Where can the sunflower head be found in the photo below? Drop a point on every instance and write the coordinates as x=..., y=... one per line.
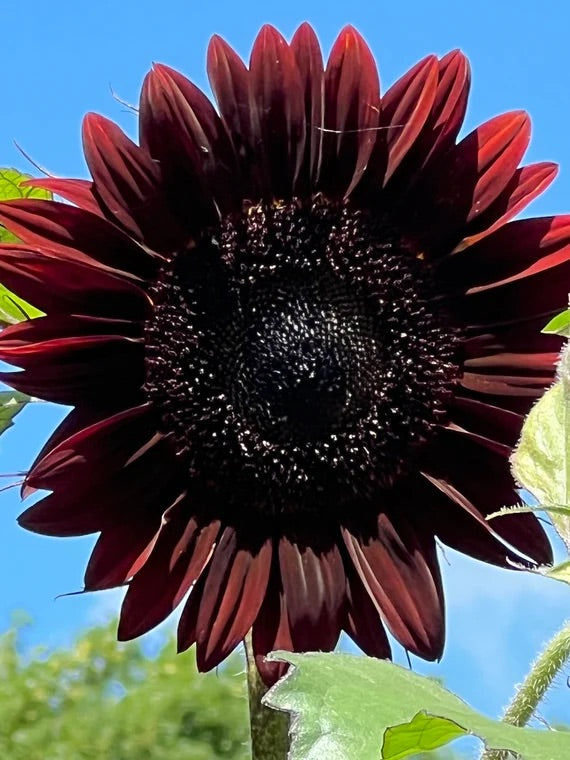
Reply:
x=300, y=332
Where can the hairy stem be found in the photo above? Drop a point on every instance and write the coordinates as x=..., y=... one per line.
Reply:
x=269, y=728
x=543, y=671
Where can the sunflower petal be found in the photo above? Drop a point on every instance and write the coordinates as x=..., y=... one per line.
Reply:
x=308, y=56
x=181, y=130
x=127, y=185
x=455, y=463
x=278, y=91
x=75, y=234
x=398, y=567
x=233, y=590
x=231, y=85
x=405, y=108
x=182, y=550
x=59, y=286
x=314, y=592
x=363, y=622
x=97, y=451
x=77, y=191
x=351, y=112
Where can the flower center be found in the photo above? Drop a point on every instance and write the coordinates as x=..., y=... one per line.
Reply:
x=306, y=347
x=296, y=357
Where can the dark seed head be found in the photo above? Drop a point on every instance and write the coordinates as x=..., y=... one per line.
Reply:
x=297, y=358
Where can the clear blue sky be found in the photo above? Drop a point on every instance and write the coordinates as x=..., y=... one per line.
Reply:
x=59, y=60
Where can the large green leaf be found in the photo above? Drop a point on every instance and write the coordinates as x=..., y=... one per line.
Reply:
x=358, y=708
x=12, y=308
x=11, y=404
x=541, y=459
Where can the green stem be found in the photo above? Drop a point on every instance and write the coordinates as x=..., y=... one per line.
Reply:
x=269, y=728
x=536, y=684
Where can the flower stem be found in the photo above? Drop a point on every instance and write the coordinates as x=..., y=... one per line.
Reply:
x=269, y=728
x=543, y=671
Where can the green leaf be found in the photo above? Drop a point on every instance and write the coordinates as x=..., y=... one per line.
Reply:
x=422, y=734
x=12, y=308
x=343, y=706
x=540, y=461
x=559, y=325
x=11, y=404
x=560, y=572
x=11, y=187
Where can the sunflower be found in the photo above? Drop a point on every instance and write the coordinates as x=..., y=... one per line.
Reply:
x=299, y=332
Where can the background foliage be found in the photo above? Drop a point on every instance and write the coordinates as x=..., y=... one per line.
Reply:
x=100, y=700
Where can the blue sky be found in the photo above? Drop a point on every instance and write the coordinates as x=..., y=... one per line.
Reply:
x=60, y=60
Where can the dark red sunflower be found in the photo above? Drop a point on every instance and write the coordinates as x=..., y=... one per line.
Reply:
x=299, y=332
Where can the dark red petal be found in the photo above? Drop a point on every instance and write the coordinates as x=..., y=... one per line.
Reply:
x=526, y=184
x=517, y=335
x=439, y=129
x=230, y=595
x=448, y=110
x=271, y=631
x=76, y=370
x=398, y=565
x=72, y=233
x=140, y=491
x=314, y=592
x=405, y=109
x=459, y=524
x=116, y=551
x=501, y=144
x=278, y=92
x=56, y=326
x=363, y=622
x=489, y=443
x=128, y=185
x=506, y=385
x=181, y=130
x=487, y=420
x=456, y=463
x=307, y=52
x=77, y=191
x=98, y=451
x=534, y=292
x=521, y=363
x=76, y=420
x=182, y=550
x=58, y=286
x=230, y=83
x=511, y=249
x=464, y=182
x=352, y=109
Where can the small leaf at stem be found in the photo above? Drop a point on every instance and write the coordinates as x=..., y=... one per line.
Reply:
x=560, y=572
x=423, y=733
x=559, y=325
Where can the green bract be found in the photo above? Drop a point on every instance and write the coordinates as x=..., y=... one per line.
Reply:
x=541, y=459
